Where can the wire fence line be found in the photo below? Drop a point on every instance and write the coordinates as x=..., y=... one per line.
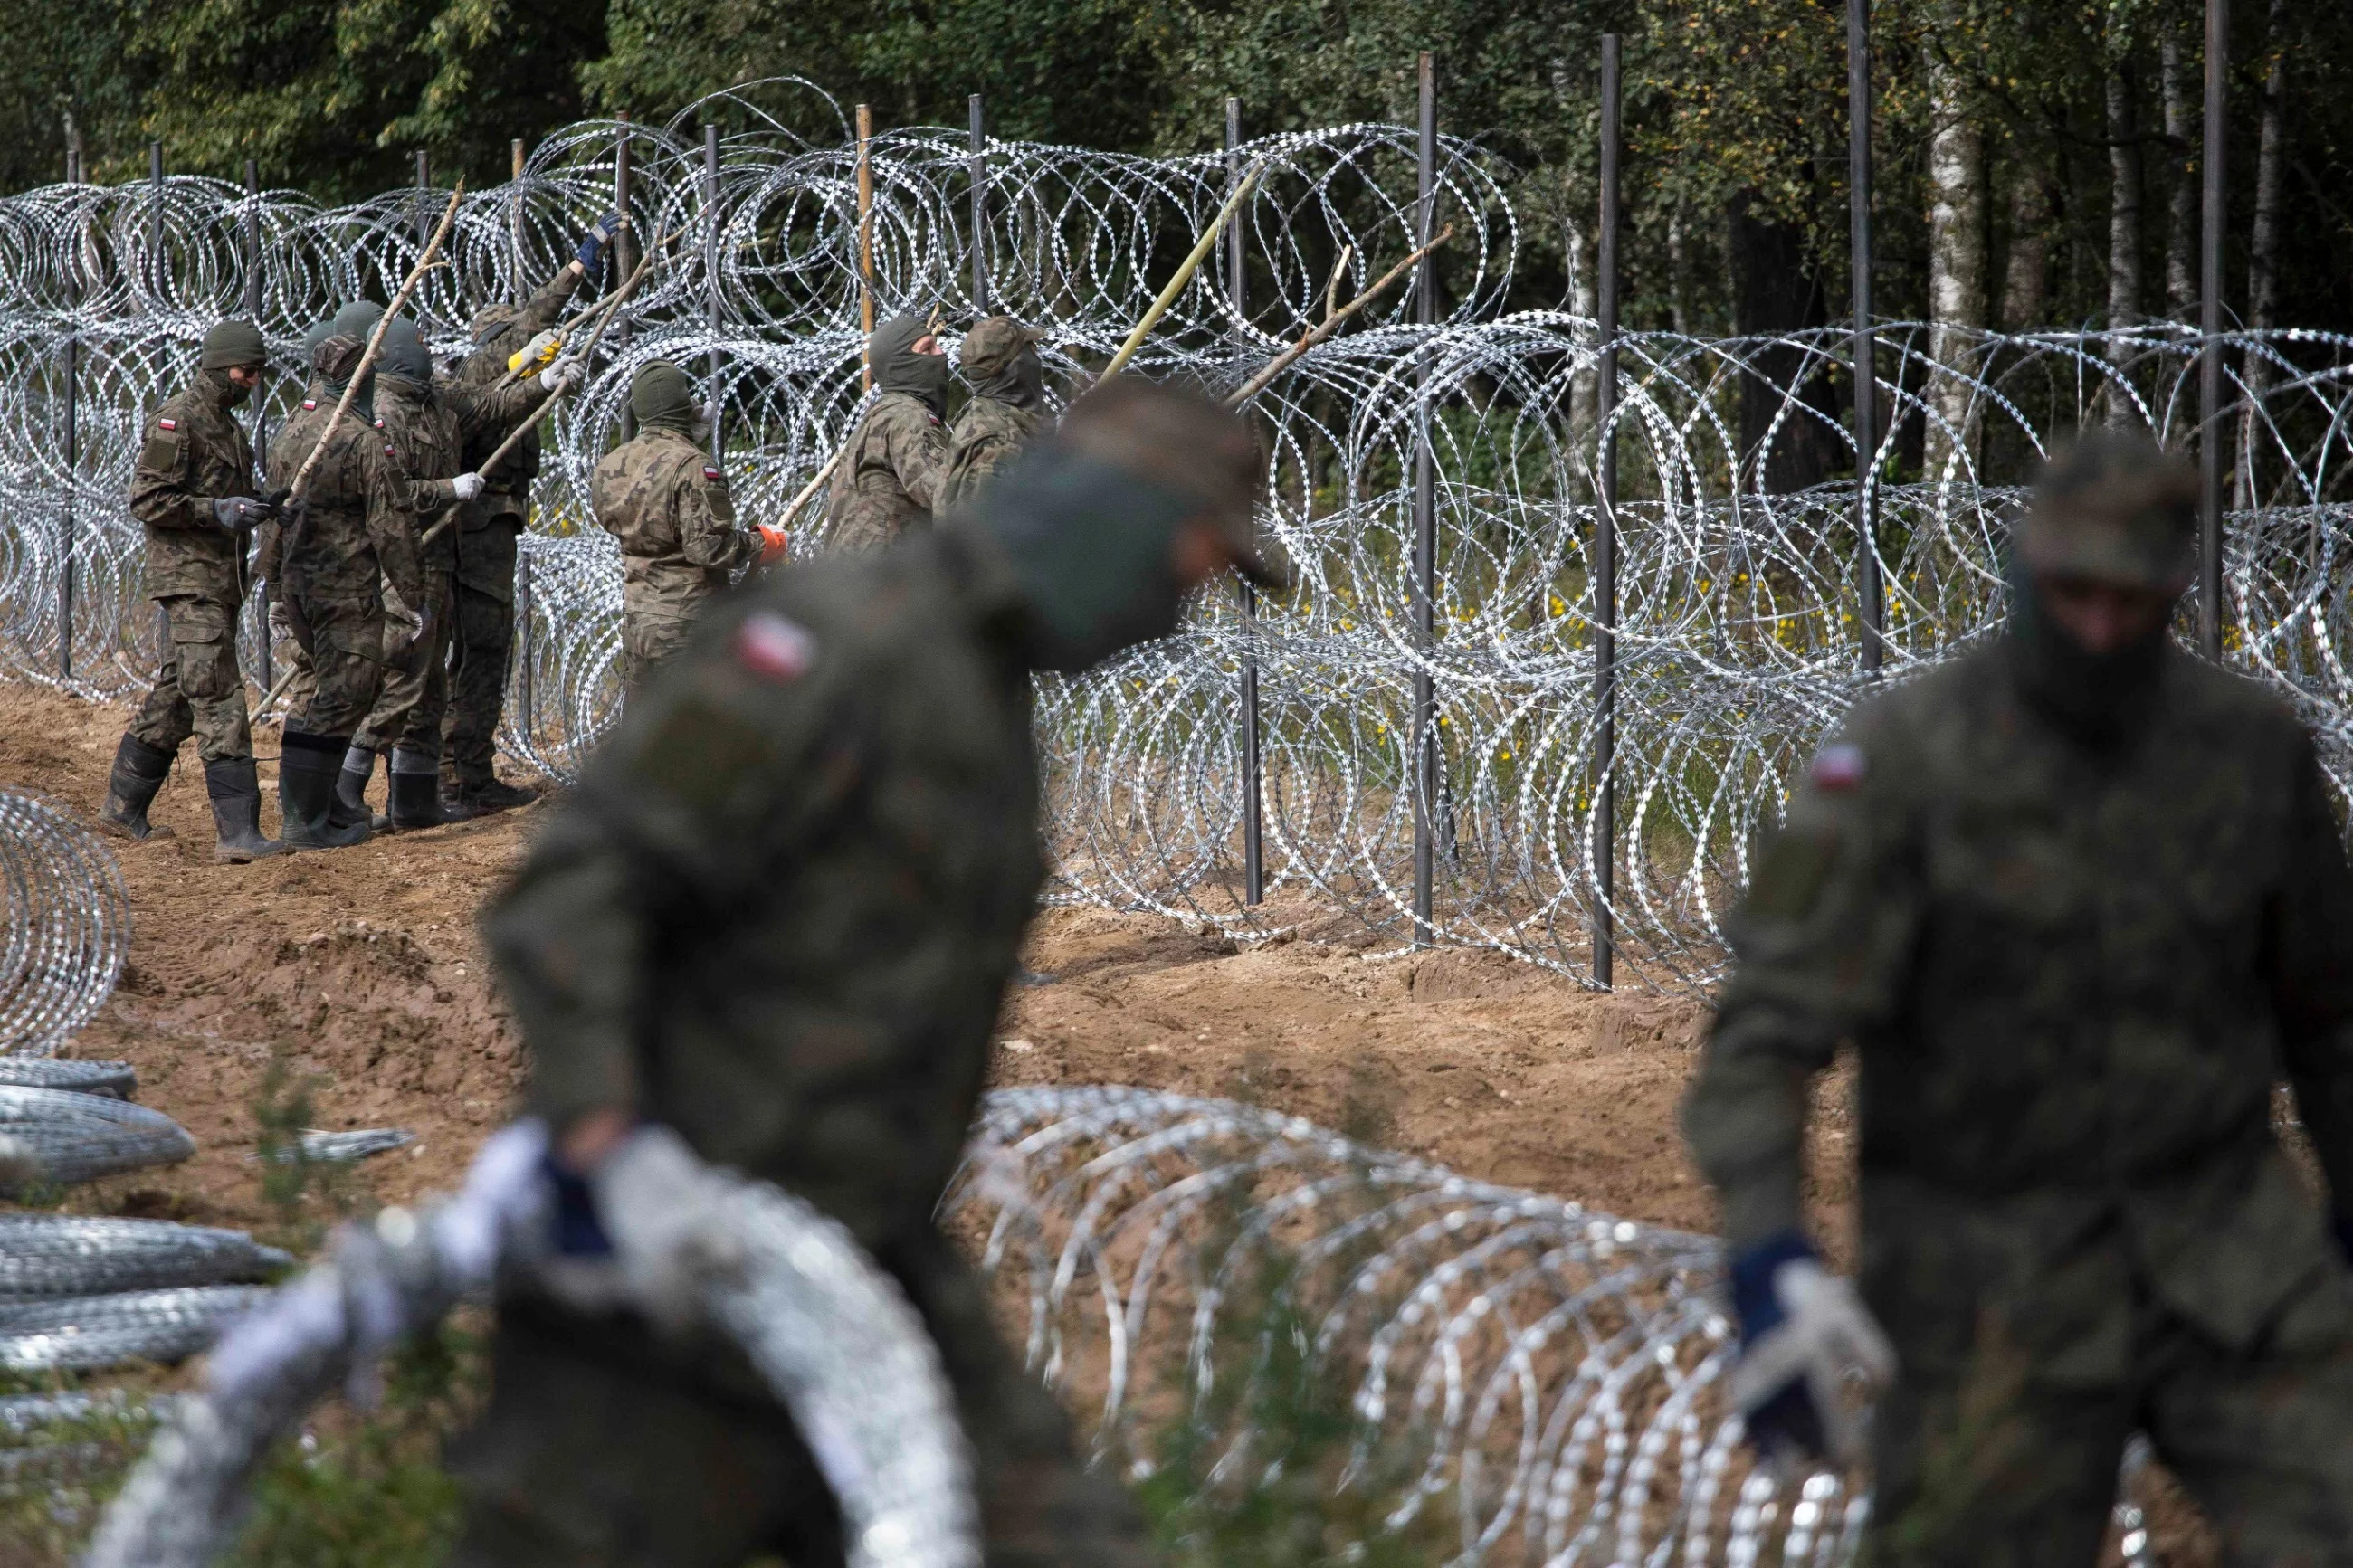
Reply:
x=1737, y=626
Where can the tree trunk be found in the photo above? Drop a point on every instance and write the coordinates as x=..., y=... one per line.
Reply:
x=1775, y=290
x=2181, y=190
x=1679, y=279
x=2263, y=266
x=2124, y=234
x=1957, y=272
x=2026, y=272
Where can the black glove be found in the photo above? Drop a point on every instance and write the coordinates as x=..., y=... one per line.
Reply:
x=600, y=235
x=241, y=514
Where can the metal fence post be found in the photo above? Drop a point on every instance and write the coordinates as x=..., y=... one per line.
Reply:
x=425, y=214
x=1866, y=385
x=710, y=282
x=625, y=252
x=1605, y=542
x=2211, y=441
x=977, y=171
x=261, y=394
x=1422, y=785
x=1253, y=761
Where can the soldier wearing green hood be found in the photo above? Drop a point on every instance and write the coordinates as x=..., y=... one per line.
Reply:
x=300, y=430
x=664, y=498
x=889, y=478
x=489, y=530
x=193, y=490
x=777, y=918
x=428, y=426
x=1008, y=410
x=2078, y=900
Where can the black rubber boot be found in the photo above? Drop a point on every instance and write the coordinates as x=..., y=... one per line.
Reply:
x=140, y=771
x=351, y=785
x=415, y=793
x=465, y=798
x=307, y=770
x=236, y=791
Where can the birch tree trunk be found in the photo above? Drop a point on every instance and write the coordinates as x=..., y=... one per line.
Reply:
x=2026, y=270
x=1957, y=272
x=2124, y=235
x=2181, y=189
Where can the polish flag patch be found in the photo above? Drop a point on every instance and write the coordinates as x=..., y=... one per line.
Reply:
x=310, y=402
x=1839, y=769
x=772, y=647
x=709, y=472
x=169, y=423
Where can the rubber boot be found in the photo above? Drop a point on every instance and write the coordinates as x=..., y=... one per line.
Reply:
x=415, y=793
x=307, y=770
x=462, y=799
x=140, y=771
x=351, y=786
x=236, y=791
x=456, y=805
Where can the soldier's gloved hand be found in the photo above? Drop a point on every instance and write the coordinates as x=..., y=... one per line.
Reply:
x=601, y=235
x=241, y=514
x=664, y=1212
x=1806, y=1338
x=281, y=619
x=403, y=626
x=772, y=544
x=563, y=375
x=467, y=486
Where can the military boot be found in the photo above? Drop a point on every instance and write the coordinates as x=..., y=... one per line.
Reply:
x=140, y=771
x=235, y=790
x=307, y=770
x=351, y=786
x=414, y=797
x=465, y=798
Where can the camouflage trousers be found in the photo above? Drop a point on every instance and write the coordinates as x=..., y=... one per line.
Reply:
x=481, y=651
x=1998, y=1463
x=199, y=691
x=650, y=636
x=602, y=1449
x=415, y=692
x=334, y=684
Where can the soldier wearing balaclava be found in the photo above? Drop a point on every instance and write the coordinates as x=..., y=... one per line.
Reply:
x=889, y=478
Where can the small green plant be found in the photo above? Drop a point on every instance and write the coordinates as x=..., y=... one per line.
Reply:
x=306, y=1195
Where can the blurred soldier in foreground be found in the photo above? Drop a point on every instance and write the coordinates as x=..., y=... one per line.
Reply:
x=426, y=429
x=665, y=500
x=1008, y=410
x=777, y=919
x=192, y=490
x=890, y=474
x=482, y=636
x=2077, y=899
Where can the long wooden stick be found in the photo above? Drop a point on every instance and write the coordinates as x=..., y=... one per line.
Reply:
x=376, y=342
x=594, y=311
x=866, y=236
x=1331, y=323
x=1184, y=273
x=270, y=699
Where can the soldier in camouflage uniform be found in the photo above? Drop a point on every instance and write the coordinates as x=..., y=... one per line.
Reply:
x=665, y=501
x=296, y=680
x=2077, y=899
x=192, y=490
x=482, y=634
x=342, y=553
x=778, y=916
x=888, y=477
x=427, y=428
x=1008, y=410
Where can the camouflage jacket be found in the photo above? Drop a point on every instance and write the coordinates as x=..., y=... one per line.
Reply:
x=667, y=502
x=781, y=909
x=303, y=427
x=890, y=475
x=195, y=453
x=507, y=492
x=2071, y=979
x=427, y=432
x=350, y=536
x=988, y=435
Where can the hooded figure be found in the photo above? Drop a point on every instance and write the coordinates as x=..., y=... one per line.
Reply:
x=888, y=479
x=1008, y=410
x=2078, y=900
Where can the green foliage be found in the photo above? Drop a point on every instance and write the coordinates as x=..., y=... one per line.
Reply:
x=306, y=1195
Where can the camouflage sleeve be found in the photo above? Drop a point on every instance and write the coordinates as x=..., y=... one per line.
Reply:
x=2311, y=948
x=160, y=497
x=391, y=518
x=541, y=311
x=707, y=532
x=918, y=448
x=1821, y=945
x=488, y=415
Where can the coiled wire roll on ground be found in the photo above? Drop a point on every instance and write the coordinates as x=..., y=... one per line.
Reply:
x=81, y=1137
x=49, y=1256
x=80, y=1333
x=67, y=928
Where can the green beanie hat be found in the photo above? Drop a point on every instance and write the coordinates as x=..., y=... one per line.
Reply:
x=233, y=342
x=659, y=393
x=404, y=354
x=357, y=320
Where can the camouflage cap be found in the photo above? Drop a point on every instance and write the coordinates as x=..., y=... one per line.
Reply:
x=231, y=343
x=994, y=342
x=491, y=320
x=1187, y=444
x=2116, y=509
x=336, y=356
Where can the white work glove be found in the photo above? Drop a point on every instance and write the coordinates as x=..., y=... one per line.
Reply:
x=467, y=486
x=563, y=375
x=1826, y=1345
x=663, y=1209
x=281, y=619
x=541, y=348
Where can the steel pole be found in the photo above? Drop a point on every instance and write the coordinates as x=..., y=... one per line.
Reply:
x=261, y=394
x=625, y=249
x=1253, y=763
x=424, y=213
x=1423, y=783
x=1605, y=544
x=710, y=282
x=2211, y=441
x=976, y=173
x=1866, y=385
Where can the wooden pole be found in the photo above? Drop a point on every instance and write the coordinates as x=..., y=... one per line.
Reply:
x=866, y=239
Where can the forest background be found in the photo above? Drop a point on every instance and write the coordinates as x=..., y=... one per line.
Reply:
x=2038, y=163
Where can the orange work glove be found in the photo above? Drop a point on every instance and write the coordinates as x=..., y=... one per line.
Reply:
x=772, y=544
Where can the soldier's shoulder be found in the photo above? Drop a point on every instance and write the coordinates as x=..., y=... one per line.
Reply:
x=901, y=410
x=1922, y=702
x=2229, y=704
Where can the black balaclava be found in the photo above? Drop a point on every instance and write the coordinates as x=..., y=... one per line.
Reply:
x=1093, y=547
x=2101, y=701
x=899, y=368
